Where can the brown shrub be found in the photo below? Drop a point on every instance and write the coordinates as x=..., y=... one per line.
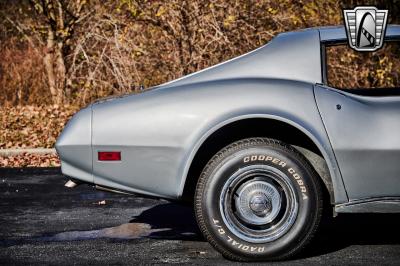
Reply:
x=115, y=46
x=350, y=69
x=22, y=77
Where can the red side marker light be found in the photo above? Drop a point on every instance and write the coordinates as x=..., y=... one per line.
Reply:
x=109, y=156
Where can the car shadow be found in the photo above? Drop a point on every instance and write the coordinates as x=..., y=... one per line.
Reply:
x=170, y=221
x=176, y=221
x=354, y=229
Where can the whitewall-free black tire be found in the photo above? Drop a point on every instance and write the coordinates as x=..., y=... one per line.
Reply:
x=258, y=199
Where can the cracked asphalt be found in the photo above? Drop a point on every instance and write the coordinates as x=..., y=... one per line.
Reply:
x=42, y=222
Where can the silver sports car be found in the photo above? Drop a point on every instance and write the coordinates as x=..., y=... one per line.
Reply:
x=260, y=144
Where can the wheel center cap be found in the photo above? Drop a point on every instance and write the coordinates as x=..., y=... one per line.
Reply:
x=259, y=204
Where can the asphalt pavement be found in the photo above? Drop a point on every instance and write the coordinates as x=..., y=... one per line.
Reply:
x=42, y=222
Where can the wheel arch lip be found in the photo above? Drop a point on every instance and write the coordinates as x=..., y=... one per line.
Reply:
x=340, y=195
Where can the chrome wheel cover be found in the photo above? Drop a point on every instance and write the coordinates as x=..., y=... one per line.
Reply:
x=258, y=203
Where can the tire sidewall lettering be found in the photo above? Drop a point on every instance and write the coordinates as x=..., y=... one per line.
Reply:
x=282, y=161
x=235, y=242
x=282, y=164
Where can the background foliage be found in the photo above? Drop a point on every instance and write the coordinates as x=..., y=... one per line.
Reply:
x=59, y=55
x=73, y=51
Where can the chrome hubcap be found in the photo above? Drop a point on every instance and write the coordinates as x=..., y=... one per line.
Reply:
x=258, y=203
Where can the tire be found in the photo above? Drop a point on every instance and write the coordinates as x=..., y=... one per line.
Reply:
x=258, y=199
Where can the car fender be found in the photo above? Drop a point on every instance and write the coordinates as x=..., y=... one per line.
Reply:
x=336, y=179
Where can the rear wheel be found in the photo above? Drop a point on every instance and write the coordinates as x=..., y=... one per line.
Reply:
x=258, y=199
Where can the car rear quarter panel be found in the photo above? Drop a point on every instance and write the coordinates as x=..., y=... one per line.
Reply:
x=159, y=131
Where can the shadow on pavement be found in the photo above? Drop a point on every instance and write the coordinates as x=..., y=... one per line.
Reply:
x=354, y=229
x=165, y=221
x=336, y=234
x=174, y=221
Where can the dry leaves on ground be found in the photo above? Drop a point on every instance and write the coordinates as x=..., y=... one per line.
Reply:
x=33, y=126
x=30, y=160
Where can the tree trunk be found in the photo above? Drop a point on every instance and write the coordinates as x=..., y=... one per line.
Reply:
x=55, y=68
x=61, y=71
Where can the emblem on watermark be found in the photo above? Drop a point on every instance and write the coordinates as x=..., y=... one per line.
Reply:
x=365, y=27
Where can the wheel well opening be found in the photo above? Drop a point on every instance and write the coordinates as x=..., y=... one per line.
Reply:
x=248, y=128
